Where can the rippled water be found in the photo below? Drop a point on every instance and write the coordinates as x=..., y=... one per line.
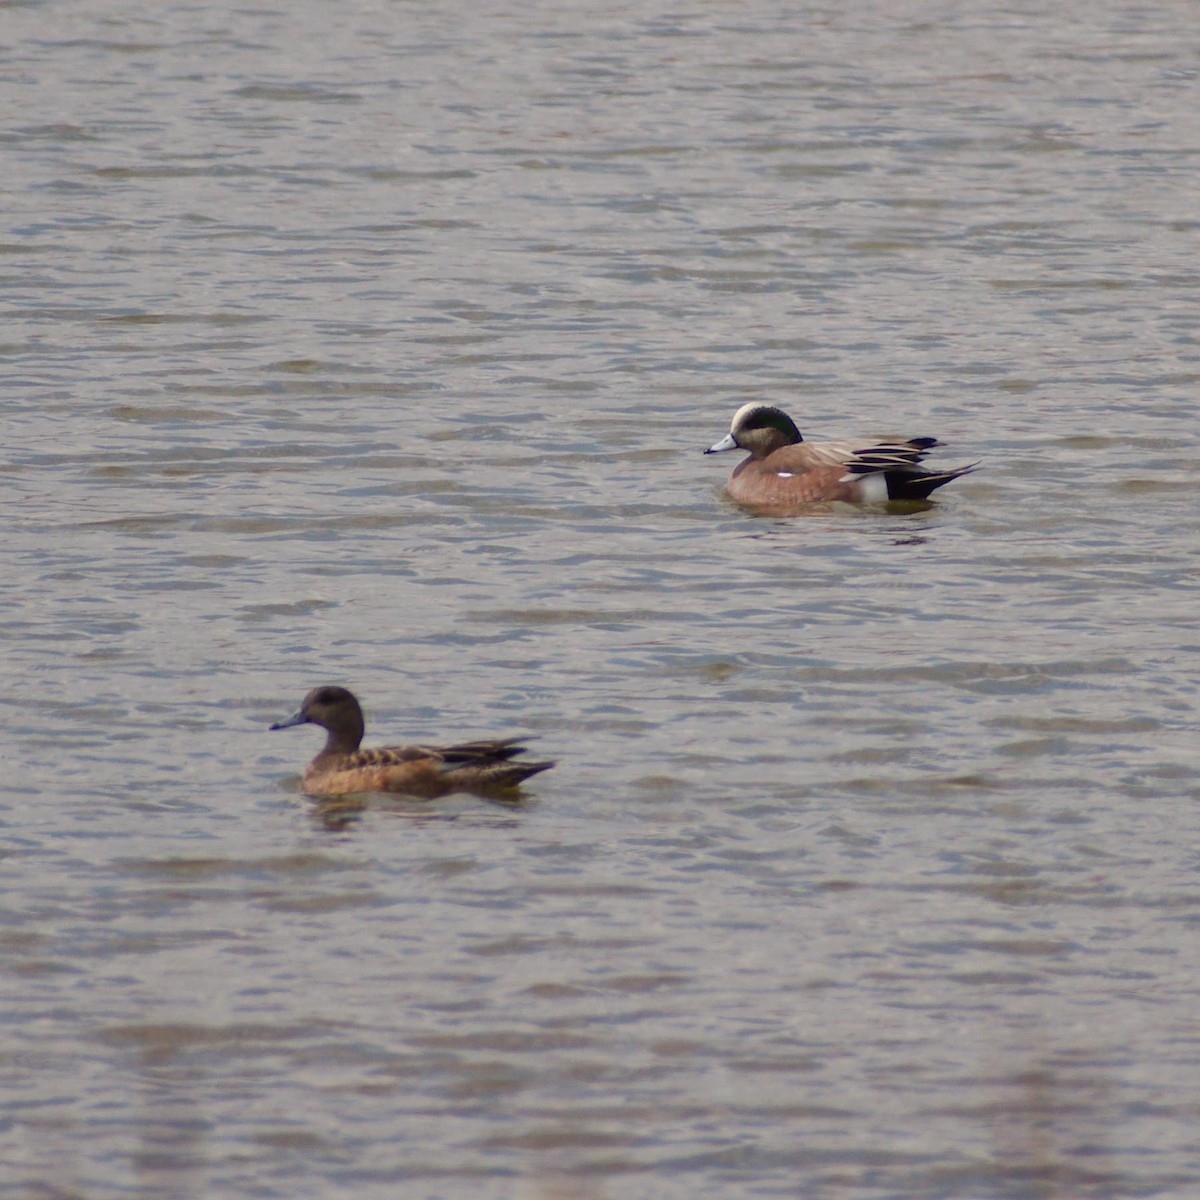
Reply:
x=377, y=344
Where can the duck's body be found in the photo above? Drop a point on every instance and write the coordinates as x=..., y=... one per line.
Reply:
x=784, y=471
x=343, y=767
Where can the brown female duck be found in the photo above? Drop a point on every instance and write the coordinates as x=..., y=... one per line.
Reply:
x=428, y=771
x=784, y=470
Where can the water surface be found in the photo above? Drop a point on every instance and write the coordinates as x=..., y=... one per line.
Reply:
x=378, y=346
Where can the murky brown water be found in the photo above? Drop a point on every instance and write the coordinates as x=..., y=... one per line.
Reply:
x=377, y=345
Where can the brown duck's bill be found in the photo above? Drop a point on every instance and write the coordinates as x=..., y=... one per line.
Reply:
x=726, y=443
x=297, y=718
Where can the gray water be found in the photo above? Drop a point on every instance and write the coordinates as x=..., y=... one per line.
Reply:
x=376, y=344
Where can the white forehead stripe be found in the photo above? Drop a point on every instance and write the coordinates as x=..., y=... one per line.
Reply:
x=740, y=417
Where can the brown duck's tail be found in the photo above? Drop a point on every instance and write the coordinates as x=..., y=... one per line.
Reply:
x=485, y=765
x=493, y=776
x=915, y=483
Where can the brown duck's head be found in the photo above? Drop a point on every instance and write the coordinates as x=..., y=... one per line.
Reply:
x=334, y=709
x=759, y=428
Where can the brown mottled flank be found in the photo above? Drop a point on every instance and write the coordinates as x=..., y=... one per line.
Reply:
x=784, y=471
x=427, y=771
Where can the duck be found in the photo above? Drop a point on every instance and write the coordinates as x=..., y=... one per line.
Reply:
x=343, y=767
x=784, y=470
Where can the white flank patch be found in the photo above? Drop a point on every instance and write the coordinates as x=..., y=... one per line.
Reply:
x=785, y=474
x=874, y=487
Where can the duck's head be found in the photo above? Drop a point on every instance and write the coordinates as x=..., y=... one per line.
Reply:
x=332, y=708
x=759, y=428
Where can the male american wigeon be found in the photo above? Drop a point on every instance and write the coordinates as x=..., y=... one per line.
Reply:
x=427, y=771
x=784, y=470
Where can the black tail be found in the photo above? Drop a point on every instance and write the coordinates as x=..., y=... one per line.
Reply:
x=914, y=483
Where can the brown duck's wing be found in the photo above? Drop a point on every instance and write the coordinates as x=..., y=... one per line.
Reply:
x=389, y=756
x=484, y=750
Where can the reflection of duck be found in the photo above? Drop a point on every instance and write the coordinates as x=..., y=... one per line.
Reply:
x=427, y=771
x=783, y=469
